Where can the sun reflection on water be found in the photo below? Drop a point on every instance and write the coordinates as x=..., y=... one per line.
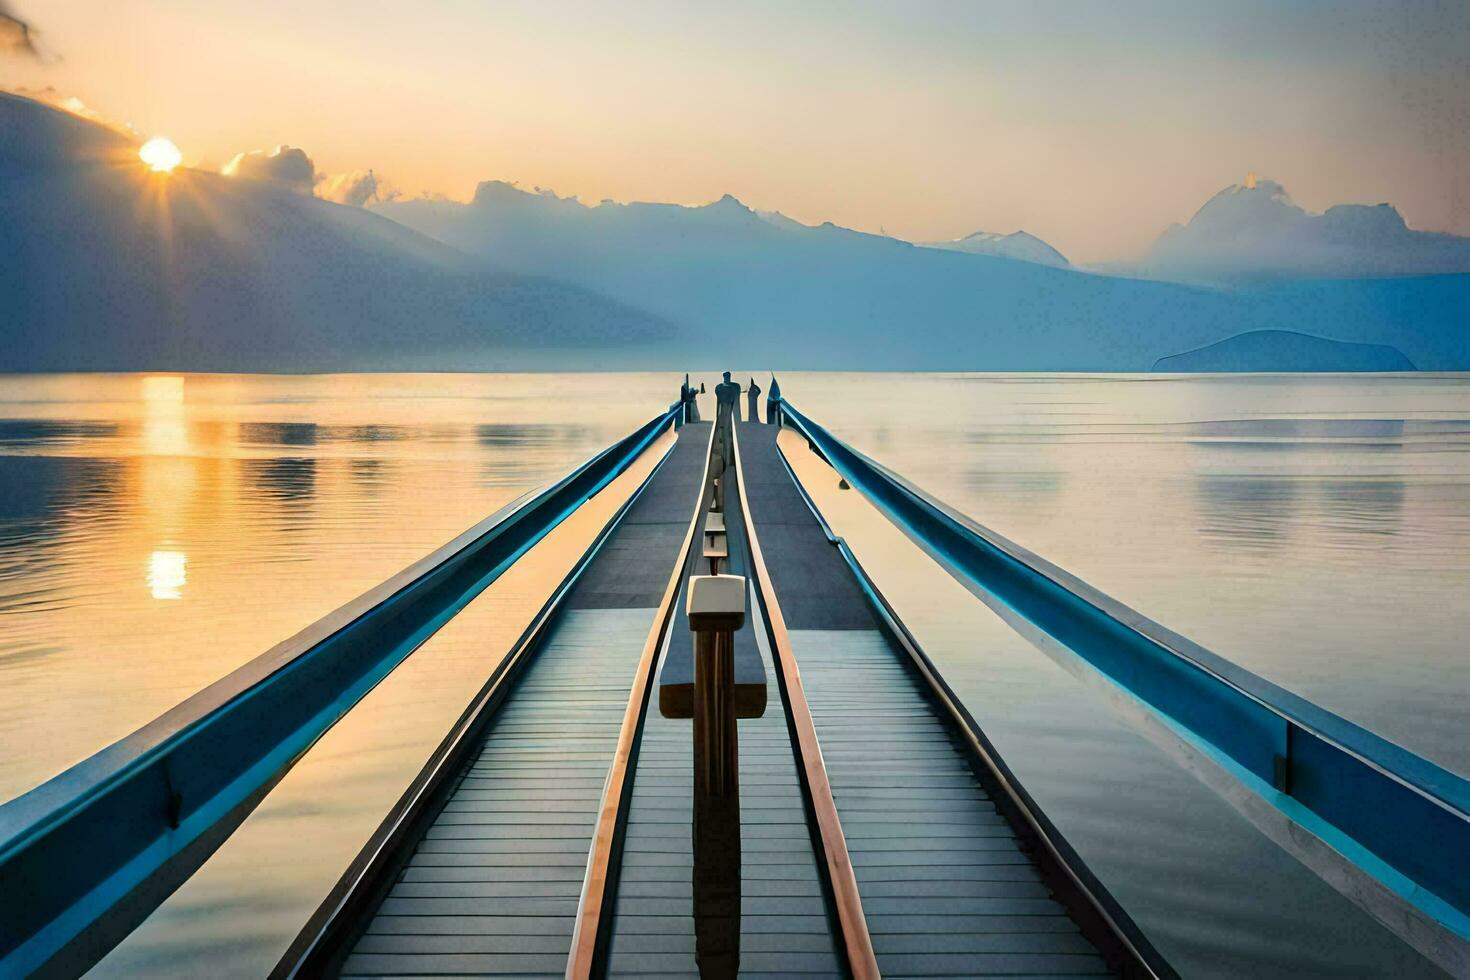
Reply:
x=164, y=432
x=167, y=574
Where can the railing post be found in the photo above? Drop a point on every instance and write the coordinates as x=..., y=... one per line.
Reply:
x=716, y=609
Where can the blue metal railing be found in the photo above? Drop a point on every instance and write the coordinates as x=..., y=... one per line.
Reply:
x=1397, y=816
x=87, y=855
x=1131, y=943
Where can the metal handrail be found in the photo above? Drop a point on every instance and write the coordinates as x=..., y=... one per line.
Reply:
x=323, y=943
x=1399, y=818
x=1103, y=919
x=87, y=855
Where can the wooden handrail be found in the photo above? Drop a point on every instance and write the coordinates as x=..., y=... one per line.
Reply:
x=591, y=928
x=857, y=943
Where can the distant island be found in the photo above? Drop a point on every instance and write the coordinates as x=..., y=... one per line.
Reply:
x=1286, y=352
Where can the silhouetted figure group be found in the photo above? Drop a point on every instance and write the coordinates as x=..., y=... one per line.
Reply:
x=727, y=400
x=688, y=397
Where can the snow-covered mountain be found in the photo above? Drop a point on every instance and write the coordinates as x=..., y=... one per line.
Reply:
x=1020, y=245
x=1254, y=230
x=108, y=266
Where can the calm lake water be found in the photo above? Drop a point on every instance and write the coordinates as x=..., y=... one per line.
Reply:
x=156, y=532
x=1313, y=529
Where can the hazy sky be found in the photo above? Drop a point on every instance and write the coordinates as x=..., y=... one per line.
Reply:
x=1093, y=125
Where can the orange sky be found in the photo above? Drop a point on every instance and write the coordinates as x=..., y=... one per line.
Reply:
x=1093, y=126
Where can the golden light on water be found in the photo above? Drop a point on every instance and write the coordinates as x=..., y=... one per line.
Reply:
x=167, y=574
x=160, y=154
x=165, y=432
x=163, y=389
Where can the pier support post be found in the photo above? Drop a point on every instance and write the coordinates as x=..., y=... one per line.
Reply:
x=717, y=481
x=716, y=609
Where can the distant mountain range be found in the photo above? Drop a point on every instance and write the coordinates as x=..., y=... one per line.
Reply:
x=1019, y=245
x=1254, y=231
x=746, y=286
x=109, y=267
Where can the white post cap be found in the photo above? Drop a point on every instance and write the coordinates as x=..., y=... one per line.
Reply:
x=716, y=597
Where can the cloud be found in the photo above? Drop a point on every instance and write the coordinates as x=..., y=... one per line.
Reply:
x=356, y=188
x=53, y=97
x=17, y=37
x=287, y=165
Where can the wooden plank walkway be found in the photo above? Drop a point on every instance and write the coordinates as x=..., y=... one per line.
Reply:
x=492, y=887
x=946, y=889
x=784, y=925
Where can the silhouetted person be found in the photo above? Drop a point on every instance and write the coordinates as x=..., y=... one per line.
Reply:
x=773, y=402
x=727, y=399
x=751, y=394
x=727, y=410
x=687, y=397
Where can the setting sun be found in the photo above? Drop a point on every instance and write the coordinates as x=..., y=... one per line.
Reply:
x=160, y=154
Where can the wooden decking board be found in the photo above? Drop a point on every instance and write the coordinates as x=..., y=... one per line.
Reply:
x=785, y=962
x=524, y=851
x=493, y=884
x=473, y=873
x=996, y=964
x=400, y=945
x=571, y=844
x=950, y=890
x=508, y=829
x=452, y=964
x=515, y=907
x=935, y=922
x=484, y=799
x=664, y=756
x=632, y=569
x=944, y=882
x=469, y=925
x=797, y=552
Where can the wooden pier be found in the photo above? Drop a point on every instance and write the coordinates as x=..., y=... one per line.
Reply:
x=716, y=751
x=916, y=872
